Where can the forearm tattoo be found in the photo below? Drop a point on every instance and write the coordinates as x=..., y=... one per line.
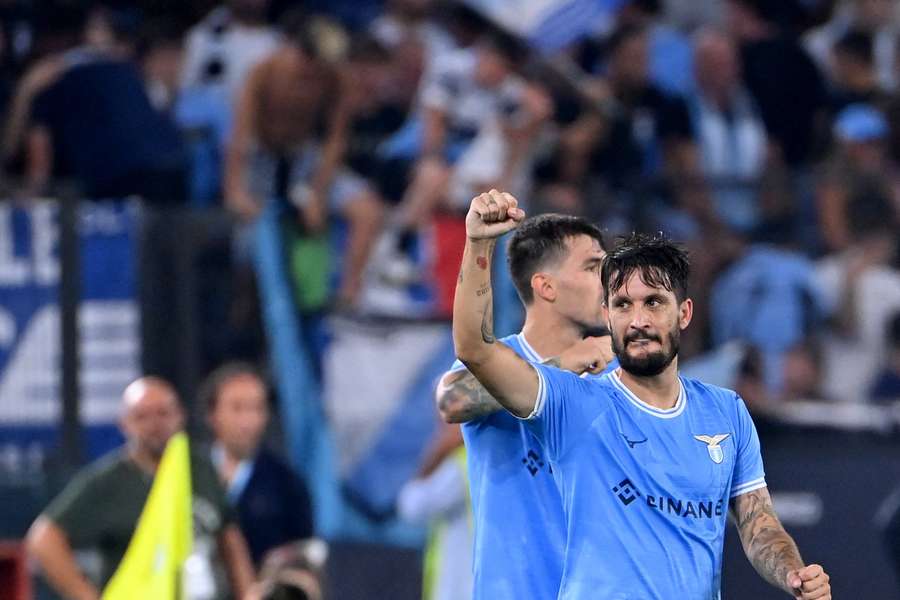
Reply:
x=487, y=323
x=768, y=546
x=466, y=399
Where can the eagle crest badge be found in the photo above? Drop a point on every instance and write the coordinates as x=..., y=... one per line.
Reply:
x=716, y=453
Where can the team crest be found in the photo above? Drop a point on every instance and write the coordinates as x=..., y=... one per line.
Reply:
x=716, y=454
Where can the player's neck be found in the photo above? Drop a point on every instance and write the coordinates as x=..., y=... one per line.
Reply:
x=660, y=391
x=549, y=335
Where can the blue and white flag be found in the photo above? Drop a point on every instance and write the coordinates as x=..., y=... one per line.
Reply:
x=549, y=25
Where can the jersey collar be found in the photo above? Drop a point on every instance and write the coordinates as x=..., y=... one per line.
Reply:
x=667, y=413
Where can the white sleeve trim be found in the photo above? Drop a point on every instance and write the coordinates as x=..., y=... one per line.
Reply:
x=541, y=397
x=749, y=486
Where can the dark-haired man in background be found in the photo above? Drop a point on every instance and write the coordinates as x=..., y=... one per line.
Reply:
x=554, y=261
x=272, y=503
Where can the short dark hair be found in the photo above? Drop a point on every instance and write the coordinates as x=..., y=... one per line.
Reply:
x=857, y=44
x=541, y=240
x=215, y=381
x=660, y=262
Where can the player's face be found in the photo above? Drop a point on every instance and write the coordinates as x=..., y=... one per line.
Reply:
x=152, y=416
x=646, y=323
x=580, y=296
x=240, y=415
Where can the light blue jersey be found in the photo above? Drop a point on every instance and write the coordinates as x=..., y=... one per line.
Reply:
x=520, y=534
x=645, y=491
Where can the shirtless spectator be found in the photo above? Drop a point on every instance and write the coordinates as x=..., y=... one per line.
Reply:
x=275, y=151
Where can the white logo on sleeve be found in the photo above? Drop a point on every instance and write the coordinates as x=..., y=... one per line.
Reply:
x=716, y=454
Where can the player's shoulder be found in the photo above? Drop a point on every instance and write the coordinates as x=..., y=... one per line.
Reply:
x=707, y=392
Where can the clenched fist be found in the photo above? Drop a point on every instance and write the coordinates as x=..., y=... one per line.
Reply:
x=810, y=583
x=590, y=355
x=493, y=214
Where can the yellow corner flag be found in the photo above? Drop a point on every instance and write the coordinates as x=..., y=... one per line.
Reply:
x=162, y=540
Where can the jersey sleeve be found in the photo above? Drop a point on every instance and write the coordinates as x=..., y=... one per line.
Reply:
x=748, y=465
x=561, y=412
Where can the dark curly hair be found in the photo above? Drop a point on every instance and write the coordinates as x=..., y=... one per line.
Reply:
x=660, y=262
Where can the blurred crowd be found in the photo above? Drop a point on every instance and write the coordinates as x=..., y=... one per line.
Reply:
x=764, y=134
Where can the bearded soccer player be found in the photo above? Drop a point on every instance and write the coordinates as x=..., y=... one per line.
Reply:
x=554, y=261
x=647, y=461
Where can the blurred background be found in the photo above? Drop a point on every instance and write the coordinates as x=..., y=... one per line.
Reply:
x=187, y=183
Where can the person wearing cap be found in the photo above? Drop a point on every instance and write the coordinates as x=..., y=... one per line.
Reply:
x=859, y=166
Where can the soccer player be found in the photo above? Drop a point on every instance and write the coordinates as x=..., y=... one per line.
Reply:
x=647, y=461
x=555, y=262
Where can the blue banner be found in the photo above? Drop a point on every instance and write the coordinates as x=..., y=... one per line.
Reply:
x=108, y=324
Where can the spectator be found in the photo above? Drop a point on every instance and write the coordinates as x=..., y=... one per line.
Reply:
x=117, y=146
x=861, y=291
x=222, y=50
x=854, y=77
x=781, y=78
x=887, y=384
x=271, y=501
x=275, y=152
x=159, y=52
x=640, y=134
x=100, y=507
x=877, y=19
x=730, y=134
x=802, y=374
x=670, y=53
x=859, y=167
x=375, y=115
x=438, y=497
x=410, y=20
x=772, y=314
x=471, y=94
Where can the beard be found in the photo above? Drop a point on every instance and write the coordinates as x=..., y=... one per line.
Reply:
x=652, y=363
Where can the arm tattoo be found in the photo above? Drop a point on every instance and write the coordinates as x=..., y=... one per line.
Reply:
x=465, y=399
x=487, y=323
x=767, y=545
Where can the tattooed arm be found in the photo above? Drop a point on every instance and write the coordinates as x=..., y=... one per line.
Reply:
x=504, y=375
x=460, y=398
x=771, y=551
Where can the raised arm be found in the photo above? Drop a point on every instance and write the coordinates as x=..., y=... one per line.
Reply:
x=461, y=398
x=508, y=378
x=772, y=552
